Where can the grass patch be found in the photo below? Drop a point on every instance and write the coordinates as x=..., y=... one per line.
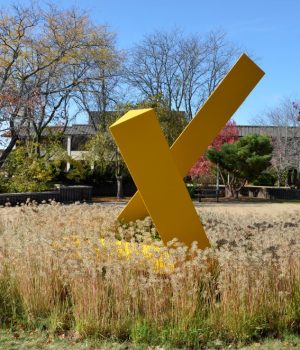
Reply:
x=37, y=340
x=58, y=277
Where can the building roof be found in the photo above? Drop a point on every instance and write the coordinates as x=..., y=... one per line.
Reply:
x=273, y=131
x=80, y=129
x=76, y=129
x=89, y=129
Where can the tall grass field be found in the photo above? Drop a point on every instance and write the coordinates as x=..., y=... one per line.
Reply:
x=76, y=270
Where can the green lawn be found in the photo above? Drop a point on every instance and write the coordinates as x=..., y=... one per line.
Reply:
x=40, y=341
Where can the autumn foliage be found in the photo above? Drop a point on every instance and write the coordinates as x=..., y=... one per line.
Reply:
x=203, y=167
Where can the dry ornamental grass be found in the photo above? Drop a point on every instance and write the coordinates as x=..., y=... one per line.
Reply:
x=61, y=269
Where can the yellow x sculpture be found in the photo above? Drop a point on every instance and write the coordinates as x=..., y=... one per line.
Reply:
x=158, y=171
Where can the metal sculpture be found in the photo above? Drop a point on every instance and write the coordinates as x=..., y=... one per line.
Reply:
x=158, y=171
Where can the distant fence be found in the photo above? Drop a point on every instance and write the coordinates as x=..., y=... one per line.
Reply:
x=71, y=194
x=68, y=194
x=280, y=193
x=284, y=193
x=273, y=193
x=109, y=189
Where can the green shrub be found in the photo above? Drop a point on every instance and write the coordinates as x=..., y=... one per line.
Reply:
x=31, y=167
x=266, y=178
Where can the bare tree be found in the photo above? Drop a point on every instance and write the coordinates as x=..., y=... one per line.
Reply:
x=15, y=30
x=284, y=118
x=47, y=57
x=181, y=70
x=104, y=91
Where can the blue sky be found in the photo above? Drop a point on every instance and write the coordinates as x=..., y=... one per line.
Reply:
x=269, y=30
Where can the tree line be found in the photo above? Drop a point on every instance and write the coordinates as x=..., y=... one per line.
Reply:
x=54, y=61
x=55, y=64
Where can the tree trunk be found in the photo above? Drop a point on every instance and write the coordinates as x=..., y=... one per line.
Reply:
x=38, y=144
x=120, y=194
x=232, y=192
x=8, y=149
x=228, y=191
